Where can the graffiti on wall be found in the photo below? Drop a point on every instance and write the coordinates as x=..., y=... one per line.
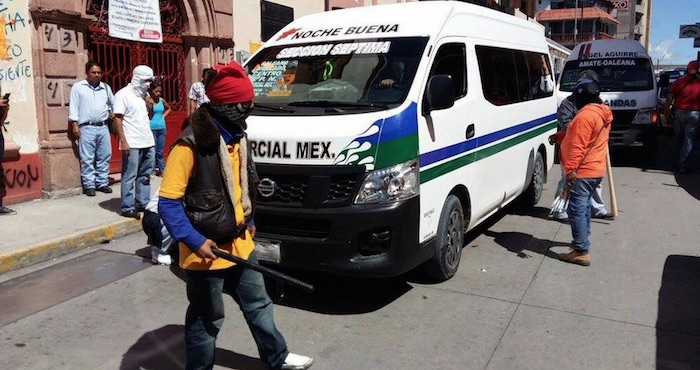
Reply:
x=23, y=174
x=21, y=178
x=14, y=56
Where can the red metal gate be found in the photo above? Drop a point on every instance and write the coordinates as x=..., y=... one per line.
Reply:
x=119, y=57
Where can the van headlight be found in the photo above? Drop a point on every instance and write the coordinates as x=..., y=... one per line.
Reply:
x=643, y=116
x=389, y=184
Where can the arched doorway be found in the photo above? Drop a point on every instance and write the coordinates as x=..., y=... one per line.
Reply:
x=119, y=57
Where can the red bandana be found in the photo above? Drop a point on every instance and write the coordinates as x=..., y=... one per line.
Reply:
x=231, y=85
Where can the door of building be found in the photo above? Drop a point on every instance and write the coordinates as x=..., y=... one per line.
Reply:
x=119, y=57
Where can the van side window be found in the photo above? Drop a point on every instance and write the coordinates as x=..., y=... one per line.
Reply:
x=498, y=75
x=511, y=76
x=450, y=59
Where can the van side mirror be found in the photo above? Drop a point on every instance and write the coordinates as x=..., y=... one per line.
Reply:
x=440, y=93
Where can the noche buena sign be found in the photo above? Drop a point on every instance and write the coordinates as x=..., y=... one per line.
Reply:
x=300, y=33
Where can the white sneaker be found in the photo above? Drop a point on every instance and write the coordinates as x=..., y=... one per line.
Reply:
x=160, y=259
x=297, y=362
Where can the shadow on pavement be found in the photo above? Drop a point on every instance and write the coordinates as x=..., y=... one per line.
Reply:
x=678, y=322
x=339, y=295
x=113, y=205
x=519, y=243
x=690, y=183
x=164, y=348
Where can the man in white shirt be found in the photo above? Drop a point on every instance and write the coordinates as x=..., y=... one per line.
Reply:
x=135, y=142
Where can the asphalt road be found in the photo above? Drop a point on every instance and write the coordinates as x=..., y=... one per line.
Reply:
x=512, y=304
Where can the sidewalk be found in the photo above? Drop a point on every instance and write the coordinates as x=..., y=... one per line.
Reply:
x=47, y=228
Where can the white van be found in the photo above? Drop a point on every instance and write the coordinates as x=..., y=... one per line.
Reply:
x=627, y=84
x=382, y=134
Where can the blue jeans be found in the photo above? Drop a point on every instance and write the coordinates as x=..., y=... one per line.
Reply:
x=159, y=136
x=136, y=177
x=687, y=122
x=95, y=150
x=580, y=212
x=205, y=314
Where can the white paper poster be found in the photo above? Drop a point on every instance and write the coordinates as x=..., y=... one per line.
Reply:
x=137, y=20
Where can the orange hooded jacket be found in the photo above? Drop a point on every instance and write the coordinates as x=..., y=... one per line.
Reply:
x=580, y=135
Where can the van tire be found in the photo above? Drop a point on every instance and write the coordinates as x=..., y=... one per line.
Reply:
x=449, y=241
x=534, y=190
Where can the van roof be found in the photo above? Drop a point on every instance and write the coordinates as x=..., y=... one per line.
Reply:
x=424, y=18
x=601, y=49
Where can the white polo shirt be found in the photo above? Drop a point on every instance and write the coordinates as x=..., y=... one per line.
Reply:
x=135, y=123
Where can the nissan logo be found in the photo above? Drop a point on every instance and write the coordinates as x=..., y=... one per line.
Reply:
x=267, y=187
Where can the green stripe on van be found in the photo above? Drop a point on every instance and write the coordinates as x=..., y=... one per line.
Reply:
x=397, y=151
x=437, y=171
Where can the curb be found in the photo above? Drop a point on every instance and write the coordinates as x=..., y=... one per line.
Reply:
x=67, y=244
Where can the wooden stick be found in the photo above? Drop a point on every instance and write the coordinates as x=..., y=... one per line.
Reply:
x=611, y=184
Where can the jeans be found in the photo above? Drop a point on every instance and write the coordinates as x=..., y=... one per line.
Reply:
x=597, y=203
x=95, y=150
x=687, y=122
x=136, y=177
x=580, y=212
x=159, y=136
x=205, y=314
x=158, y=235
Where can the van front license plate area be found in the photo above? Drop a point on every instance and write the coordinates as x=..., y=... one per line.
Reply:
x=268, y=250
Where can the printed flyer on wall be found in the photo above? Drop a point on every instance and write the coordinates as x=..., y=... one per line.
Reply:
x=137, y=20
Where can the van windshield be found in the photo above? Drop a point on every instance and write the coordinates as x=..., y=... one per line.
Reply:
x=618, y=74
x=339, y=76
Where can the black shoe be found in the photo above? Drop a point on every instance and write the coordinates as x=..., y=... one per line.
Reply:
x=89, y=192
x=140, y=209
x=131, y=214
x=7, y=211
x=105, y=189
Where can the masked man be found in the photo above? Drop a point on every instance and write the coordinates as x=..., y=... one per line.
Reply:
x=207, y=199
x=135, y=142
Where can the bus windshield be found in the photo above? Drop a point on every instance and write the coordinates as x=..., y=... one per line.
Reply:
x=618, y=74
x=350, y=74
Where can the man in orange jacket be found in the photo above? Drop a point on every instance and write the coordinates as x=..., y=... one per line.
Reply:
x=584, y=152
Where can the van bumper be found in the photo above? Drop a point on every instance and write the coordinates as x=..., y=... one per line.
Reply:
x=377, y=240
x=633, y=135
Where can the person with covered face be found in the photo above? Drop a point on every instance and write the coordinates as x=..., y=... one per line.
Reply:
x=584, y=152
x=135, y=142
x=207, y=200
x=565, y=114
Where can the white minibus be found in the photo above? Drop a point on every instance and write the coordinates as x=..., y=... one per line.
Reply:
x=382, y=134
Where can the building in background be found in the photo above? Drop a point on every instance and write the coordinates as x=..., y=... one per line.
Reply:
x=635, y=20
x=570, y=22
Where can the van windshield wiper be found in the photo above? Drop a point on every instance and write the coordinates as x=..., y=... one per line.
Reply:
x=275, y=108
x=330, y=104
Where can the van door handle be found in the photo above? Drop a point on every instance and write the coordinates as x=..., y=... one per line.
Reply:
x=470, y=131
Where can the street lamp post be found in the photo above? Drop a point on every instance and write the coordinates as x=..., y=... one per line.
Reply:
x=659, y=60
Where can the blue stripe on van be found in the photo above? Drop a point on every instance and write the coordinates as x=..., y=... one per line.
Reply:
x=400, y=125
x=438, y=155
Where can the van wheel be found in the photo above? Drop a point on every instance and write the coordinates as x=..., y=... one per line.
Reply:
x=449, y=243
x=534, y=191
